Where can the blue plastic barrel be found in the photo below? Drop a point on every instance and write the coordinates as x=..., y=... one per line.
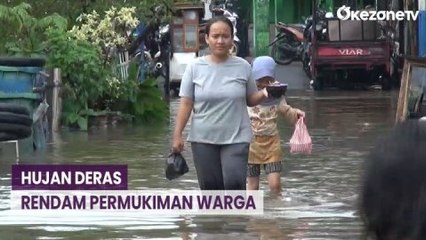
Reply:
x=422, y=33
x=17, y=79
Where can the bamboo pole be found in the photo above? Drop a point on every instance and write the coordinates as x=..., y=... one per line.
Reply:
x=56, y=100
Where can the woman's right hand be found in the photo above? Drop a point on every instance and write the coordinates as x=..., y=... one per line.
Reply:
x=177, y=146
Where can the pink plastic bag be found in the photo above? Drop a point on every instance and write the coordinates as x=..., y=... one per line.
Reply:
x=300, y=142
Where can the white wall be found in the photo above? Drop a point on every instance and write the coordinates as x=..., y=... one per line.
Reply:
x=207, y=13
x=422, y=5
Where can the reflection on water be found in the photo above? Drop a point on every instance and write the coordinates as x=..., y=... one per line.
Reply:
x=320, y=190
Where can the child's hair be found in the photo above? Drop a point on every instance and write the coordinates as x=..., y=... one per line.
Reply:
x=393, y=193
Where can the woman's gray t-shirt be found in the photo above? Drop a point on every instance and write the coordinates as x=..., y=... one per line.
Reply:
x=220, y=94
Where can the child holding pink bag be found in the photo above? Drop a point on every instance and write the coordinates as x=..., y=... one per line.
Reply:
x=265, y=148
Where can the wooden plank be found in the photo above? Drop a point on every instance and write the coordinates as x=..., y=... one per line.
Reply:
x=402, y=93
x=56, y=100
x=409, y=61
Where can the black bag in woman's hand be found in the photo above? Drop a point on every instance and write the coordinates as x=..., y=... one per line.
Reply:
x=175, y=166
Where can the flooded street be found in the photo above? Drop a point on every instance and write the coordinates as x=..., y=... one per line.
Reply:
x=320, y=190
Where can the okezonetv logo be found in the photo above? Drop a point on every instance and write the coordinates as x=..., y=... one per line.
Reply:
x=345, y=13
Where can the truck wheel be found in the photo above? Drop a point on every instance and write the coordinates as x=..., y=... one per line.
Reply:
x=395, y=80
x=317, y=83
x=385, y=82
x=306, y=65
x=344, y=80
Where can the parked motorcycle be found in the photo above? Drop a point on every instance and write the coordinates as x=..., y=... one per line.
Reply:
x=292, y=41
x=288, y=43
x=151, y=45
x=156, y=50
x=161, y=58
x=156, y=55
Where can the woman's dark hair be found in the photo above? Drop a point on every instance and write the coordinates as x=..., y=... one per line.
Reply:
x=393, y=191
x=219, y=19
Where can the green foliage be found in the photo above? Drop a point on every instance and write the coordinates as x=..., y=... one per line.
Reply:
x=72, y=9
x=25, y=33
x=86, y=92
x=149, y=106
x=142, y=101
x=108, y=31
x=51, y=10
x=89, y=84
x=83, y=76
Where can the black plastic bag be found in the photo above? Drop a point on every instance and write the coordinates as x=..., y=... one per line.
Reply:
x=176, y=166
x=276, y=90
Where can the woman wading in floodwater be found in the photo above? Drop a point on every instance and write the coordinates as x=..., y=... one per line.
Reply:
x=217, y=89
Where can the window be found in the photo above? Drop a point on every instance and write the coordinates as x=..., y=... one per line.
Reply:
x=191, y=37
x=190, y=15
x=178, y=39
x=185, y=31
x=177, y=21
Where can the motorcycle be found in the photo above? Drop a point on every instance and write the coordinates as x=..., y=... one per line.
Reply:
x=288, y=43
x=151, y=45
x=156, y=53
x=292, y=41
x=161, y=59
x=155, y=57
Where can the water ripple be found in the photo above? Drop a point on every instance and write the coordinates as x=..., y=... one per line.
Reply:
x=320, y=190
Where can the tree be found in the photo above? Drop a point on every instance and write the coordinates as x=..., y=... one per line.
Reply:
x=25, y=33
x=72, y=9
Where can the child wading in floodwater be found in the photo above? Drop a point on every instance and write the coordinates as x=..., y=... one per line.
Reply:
x=265, y=148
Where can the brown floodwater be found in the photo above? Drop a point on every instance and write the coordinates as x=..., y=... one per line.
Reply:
x=319, y=190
